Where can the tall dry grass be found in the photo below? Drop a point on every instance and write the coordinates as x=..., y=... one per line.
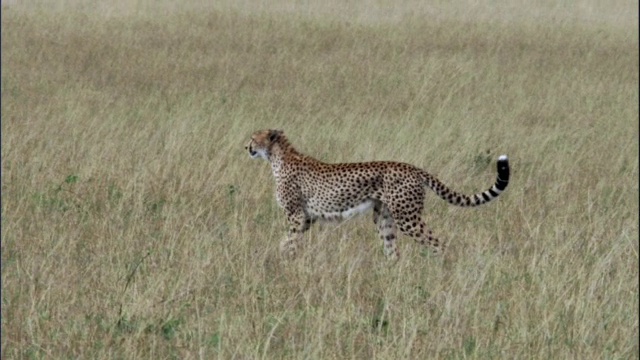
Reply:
x=135, y=226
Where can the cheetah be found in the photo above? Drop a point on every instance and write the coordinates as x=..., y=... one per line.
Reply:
x=309, y=190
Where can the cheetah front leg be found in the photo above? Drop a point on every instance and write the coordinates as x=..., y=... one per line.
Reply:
x=386, y=230
x=298, y=223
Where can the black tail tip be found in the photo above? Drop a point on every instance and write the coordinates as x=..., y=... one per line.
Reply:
x=503, y=169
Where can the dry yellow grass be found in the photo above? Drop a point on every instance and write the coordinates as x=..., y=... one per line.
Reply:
x=134, y=225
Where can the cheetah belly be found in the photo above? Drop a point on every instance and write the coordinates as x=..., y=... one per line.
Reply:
x=318, y=212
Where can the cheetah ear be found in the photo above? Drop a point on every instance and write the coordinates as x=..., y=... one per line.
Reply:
x=274, y=135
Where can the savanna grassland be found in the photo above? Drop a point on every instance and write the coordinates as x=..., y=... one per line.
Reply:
x=135, y=226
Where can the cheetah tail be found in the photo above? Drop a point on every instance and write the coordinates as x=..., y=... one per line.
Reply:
x=458, y=199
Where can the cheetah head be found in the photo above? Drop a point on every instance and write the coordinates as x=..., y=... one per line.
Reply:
x=261, y=142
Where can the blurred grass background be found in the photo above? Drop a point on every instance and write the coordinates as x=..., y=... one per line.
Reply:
x=134, y=225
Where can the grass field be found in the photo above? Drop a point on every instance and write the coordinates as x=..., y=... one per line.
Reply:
x=135, y=226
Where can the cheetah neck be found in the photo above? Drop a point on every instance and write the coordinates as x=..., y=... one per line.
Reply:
x=281, y=154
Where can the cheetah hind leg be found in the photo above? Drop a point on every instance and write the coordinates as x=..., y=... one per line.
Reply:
x=416, y=229
x=386, y=230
